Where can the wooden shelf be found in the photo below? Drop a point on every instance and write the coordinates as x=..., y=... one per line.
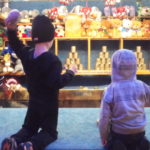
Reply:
x=12, y=74
x=24, y=24
x=108, y=72
x=89, y=38
x=93, y=72
x=143, y=72
x=137, y=38
x=86, y=38
x=83, y=72
x=104, y=38
x=143, y=17
x=26, y=39
x=89, y=71
x=30, y=24
x=71, y=38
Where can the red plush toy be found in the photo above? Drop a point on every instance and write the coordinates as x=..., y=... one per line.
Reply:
x=121, y=12
x=53, y=13
x=65, y=2
x=86, y=10
x=9, y=86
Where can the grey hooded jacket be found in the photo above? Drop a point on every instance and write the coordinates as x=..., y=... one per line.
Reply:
x=124, y=99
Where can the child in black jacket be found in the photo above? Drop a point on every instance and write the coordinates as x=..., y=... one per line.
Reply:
x=43, y=71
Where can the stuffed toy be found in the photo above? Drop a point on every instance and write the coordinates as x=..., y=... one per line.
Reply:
x=105, y=27
x=45, y=12
x=116, y=25
x=144, y=11
x=110, y=2
x=7, y=63
x=8, y=50
x=9, y=87
x=95, y=14
x=5, y=11
x=11, y=59
x=83, y=32
x=58, y=14
x=59, y=31
x=126, y=28
x=27, y=31
x=33, y=13
x=62, y=13
x=21, y=31
x=2, y=31
x=93, y=29
x=79, y=11
x=18, y=66
x=65, y=2
x=53, y=13
x=121, y=12
x=146, y=28
x=136, y=28
x=85, y=27
x=86, y=11
x=25, y=16
x=1, y=41
x=12, y=89
x=73, y=25
x=1, y=64
x=12, y=84
x=2, y=20
x=2, y=35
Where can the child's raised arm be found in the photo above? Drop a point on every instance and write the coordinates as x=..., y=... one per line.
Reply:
x=14, y=42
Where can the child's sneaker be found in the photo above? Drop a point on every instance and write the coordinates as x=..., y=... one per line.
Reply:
x=25, y=146
x=9, y=144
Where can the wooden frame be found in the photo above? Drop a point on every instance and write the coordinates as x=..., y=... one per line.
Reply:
x=89, y=71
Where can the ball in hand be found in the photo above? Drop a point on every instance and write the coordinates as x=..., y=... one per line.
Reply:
x=13, y=16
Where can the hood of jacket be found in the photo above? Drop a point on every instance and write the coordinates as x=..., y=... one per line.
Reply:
x=124, y=65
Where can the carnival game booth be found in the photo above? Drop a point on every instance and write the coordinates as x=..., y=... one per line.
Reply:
x=87, y=33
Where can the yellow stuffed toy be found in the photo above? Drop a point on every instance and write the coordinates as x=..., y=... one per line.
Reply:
x=106, y=27
x=115, y=31
x=92, y=31
x=136, y=28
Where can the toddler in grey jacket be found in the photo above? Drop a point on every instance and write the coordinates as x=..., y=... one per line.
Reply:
x=122, y=117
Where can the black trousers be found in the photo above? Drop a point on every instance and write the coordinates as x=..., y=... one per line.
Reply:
x=40, y=126
x=127, y=142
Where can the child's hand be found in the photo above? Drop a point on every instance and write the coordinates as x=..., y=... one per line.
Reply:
x=73, y=68
x=12, y=19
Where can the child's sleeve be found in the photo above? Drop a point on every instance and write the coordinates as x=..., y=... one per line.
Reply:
x=55, y=79
x=16, y=44
x=105, y=114
x=147, y=94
